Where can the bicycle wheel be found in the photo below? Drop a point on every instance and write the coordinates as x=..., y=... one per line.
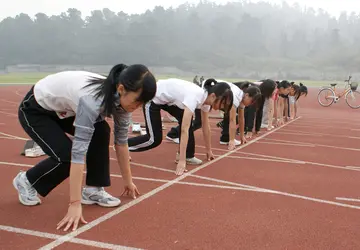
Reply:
x=329, y=96
x=353, y=99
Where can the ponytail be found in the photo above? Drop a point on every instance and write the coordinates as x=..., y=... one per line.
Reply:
x=109, y=88
x=284, y=84
x=303, y=89
x=133, y=78
x=243, y=85
x=222, y=92
x=209, y=83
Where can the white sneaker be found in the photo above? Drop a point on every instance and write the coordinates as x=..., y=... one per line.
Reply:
x=237, y=143
x=175, y=140
x=94, y=195
x=190, y=161
x=136, y=128
x=27, y=194
x=34, y=152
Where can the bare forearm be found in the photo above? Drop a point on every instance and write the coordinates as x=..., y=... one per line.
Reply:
x=270, y=112
x=183, y=143
x=232, y=129
x=241, y=121
x=207, y=137
x=280, y=110
x=292, y=110
x=76, y=179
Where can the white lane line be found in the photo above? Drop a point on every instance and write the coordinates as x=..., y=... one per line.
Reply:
x=272, y=157
x=14, y=103
x=316, y=134
x=13, y=136
x=287, y=144
x=315, y=144
x=161, y=180
x=8, y=114
x=347, y=199
x=56, y=236
x=7, y=138
x=115, y=212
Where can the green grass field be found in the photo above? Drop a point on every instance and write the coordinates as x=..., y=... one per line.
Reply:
x=31, y=78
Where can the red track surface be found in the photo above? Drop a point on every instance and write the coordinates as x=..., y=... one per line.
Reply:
x=279, y=192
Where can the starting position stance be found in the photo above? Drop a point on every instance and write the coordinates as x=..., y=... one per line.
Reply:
x=77, y=103
x=181, y=98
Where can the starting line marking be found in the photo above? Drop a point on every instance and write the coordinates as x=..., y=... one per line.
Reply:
x=231, y=186
x=13, y=136
x=305, y=144
x=347, y=199
x=117, y=211
x=56, y=236
x=8, y=114
x=316, y=134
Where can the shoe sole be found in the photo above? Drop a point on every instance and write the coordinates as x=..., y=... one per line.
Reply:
x=171, y=139
x=87, y=202
x=189, y=163
x=226, y=143
x=20, y=199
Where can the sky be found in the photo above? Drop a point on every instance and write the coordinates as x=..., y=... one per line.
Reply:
x=55, y=7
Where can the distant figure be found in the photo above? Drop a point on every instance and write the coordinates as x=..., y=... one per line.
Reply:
x=196, y=81
x=201, y=79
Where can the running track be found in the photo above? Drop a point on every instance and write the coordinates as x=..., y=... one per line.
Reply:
x=296, y=187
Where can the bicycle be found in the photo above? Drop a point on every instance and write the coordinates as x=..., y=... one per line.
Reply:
x=331, y=95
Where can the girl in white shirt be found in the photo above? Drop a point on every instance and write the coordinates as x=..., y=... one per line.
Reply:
x=77, y=103
x=244, y=95
x=180, y=98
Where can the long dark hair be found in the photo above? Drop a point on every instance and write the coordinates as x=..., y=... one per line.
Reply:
x=284, y=84
x=303, y=89
x=243, y=85
x=267, y=88
x=299, y=90
x=222, y=92
x=134, y=78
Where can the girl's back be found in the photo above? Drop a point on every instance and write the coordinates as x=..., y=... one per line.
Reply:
x=62, y=91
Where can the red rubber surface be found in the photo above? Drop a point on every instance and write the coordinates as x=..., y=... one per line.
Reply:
x=290, y=181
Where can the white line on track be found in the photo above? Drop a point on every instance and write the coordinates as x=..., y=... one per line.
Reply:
x=316, y=134
x=13, y=136
x=117, y=211
x=8, y=114
x=347, y=199
x=162, y=180
x=56, y=236
x=287, y=144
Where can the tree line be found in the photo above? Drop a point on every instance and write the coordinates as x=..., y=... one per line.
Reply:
x=227, y=39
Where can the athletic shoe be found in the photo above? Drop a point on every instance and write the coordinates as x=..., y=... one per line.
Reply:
x=27, y=194
x=97, y=195
x=36, y=151
x=136, y=128
x=190, y=161
x=237, y=143
x=175, y=140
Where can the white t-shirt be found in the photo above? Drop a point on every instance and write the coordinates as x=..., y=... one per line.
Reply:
x=181, y=93
x=238, y=94
x=64, y=93
x=292, y=99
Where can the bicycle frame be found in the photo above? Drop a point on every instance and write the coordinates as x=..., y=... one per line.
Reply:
x=341, y=94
